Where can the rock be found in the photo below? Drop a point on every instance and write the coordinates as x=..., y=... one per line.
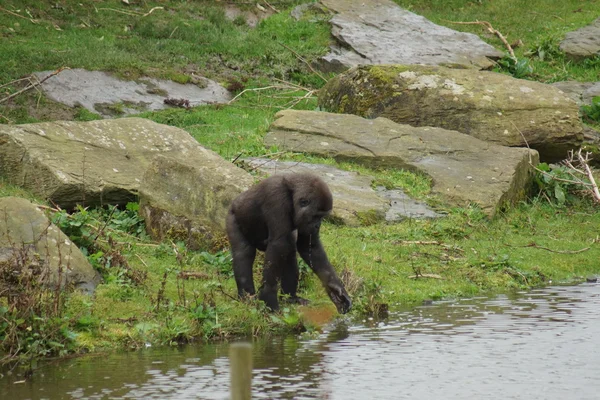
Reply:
x=402, y=206
x=354, y=201
x=27, y=234
x=104, y=94
x=583, y=43
x=380, y=32
x=311, y=11
x=89, y=163
x=591, y=144
x=251, y=17
x=489, y=106
x=188, y=198
x=581, y=92
x=464, y=169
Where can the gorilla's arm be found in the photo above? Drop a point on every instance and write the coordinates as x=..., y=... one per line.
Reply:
x=312, y=252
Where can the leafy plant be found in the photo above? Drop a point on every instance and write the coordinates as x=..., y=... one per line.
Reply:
x=555, y=184
x=592, y=112
x=519, y=67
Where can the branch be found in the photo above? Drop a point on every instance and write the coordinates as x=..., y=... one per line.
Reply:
x=493, y=31
x=33, y=85
x=590, y=176
x=299, y=57
x=536, y=246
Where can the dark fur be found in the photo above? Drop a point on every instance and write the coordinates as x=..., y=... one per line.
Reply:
x=282, y=215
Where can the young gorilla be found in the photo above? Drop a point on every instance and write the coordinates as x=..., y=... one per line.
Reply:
x=282, y=215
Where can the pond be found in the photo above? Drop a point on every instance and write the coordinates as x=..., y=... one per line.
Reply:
x=541, y=344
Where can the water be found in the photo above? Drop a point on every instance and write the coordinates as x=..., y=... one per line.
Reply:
x=533, y=345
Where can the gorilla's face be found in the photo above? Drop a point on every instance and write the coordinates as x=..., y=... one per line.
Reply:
x=309, y=211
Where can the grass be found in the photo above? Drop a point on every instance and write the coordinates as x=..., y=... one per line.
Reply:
x=142, y=299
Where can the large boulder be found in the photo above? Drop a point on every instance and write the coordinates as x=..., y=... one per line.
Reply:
x=187, y=199
x=355, y=202
x=90, y=163
x=583, y=43
x=30, y=243
x=464, y=169
x=487, y=105
x=380, y=32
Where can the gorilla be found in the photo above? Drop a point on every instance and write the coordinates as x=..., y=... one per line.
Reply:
x=281, y=215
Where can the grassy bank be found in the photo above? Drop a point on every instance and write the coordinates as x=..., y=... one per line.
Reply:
x=161, y=292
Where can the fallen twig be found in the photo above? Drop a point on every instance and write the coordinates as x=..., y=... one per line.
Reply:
x=584, y=169
x=271, y=7
x=33, y=84
x=299, y=57
x=431, y=276
x=536, y=246
x=33, y=21
x=193, y=275
x=493, y=31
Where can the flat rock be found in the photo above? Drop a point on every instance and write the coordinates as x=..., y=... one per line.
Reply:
x=30, y=242
x=489, y=106
x=380, y=32
x=104, y=94
x=464, y=169
x=584, y=42
x=581, y=92
x=93, y=163
x=354, y=200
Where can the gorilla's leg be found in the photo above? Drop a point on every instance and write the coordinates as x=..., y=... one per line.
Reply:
x=289, y=283
x=243, y=254
x=280, y=255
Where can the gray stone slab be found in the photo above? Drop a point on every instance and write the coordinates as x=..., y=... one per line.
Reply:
x=581, y=92
x=97, y=91
x=380, y=32
x=584, y=42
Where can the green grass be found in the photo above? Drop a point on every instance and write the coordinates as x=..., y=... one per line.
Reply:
x=533, y=244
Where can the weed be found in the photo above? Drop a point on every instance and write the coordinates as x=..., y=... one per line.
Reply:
x=556, y=184
x=592, y=112
x=518, y=68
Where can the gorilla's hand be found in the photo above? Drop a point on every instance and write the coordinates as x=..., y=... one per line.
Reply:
x=339, y=297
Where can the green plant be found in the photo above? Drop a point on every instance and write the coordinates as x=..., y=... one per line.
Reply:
x=517, y=67
x=555, y=184
x=592, y=112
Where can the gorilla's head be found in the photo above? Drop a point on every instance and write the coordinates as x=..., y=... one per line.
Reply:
x=312, y=202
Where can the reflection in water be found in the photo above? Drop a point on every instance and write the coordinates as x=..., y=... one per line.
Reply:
x=533, y=345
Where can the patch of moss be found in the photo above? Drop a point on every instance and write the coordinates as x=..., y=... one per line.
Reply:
x=371, y=217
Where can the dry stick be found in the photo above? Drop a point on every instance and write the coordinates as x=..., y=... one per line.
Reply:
x=535, y=246
x=299, y=57
x=15, y=81
x=255, y=90
x=270, y=6
x=58, y=71
x=589, y=174
x=33, y=21
x=142, y=260
x=493, y=31
x=152, y=10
